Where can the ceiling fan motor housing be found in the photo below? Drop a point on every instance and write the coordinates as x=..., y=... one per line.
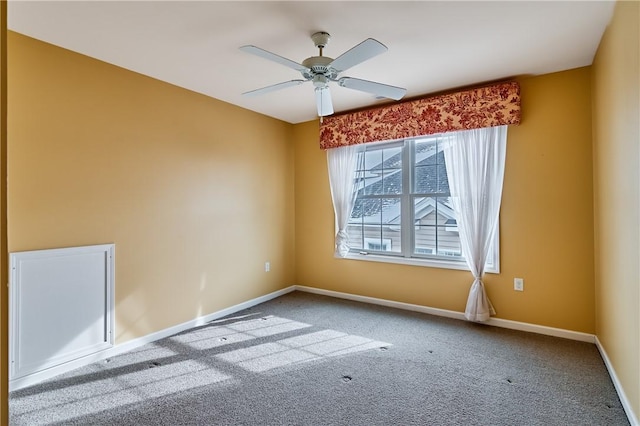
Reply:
x=318, y=65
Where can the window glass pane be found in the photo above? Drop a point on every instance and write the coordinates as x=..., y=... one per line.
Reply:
x=430, y=175
x=435, y=227
x=426, y=179
x=365, y=208
x=375, y=225
x=377, y=211
x=387, y=183
x=391, y=239
x=372, y=184
x=381, y=238
x=449, y=242
x=392, y=182
x=433, y=211
x=383, y=174
x=425, y=240
x=372, y=158
x=446, y=202
x=425, y=151
x=392, y=158
x=437, y=240
x=391, y=213
x=355, y=235
x=424, y=211
x=372, y=237
x=443, y=182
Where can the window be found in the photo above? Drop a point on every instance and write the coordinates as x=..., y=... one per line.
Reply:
x=403, y=211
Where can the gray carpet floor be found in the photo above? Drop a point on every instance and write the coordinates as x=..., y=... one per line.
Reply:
x=304, y=359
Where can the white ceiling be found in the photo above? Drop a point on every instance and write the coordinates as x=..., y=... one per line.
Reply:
x=433, y=46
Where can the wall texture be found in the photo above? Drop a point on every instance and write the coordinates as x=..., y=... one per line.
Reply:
x=195, y=193
x=616, y=148
x=546, y=219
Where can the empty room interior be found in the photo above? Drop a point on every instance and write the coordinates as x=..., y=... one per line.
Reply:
x=126, y=129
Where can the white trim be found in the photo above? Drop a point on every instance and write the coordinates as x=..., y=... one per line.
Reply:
x=460, y=265
x=413, y=261
x=542, y=329
x=38, y=377
x=497, y=322
x=626, y=404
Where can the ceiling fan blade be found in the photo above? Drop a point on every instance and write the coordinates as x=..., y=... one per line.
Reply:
x=378, y=89
x=273, y=87
x=357, y=54
x=323, y=101
x=273, y=57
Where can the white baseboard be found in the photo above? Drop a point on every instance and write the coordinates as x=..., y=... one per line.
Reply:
x=633, y=419
x=382, y=302
x=497, y=322
x=541, y=329
x=40, y=376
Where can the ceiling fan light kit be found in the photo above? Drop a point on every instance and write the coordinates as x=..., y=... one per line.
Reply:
x=321, y=70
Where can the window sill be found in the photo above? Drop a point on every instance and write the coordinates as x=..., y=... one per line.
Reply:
x=429, y=263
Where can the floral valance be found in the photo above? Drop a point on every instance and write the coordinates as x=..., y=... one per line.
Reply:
x=489, y=106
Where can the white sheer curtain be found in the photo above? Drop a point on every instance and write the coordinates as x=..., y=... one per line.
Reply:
x=342, y=163
x=475, y=167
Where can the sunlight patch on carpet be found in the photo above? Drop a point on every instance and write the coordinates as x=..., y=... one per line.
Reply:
x=240, y=331
x=96, y=396
x=298, y=349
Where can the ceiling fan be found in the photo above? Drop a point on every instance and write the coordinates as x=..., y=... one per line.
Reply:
x=321, y=70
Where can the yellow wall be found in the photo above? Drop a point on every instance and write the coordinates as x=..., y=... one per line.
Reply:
x=546, y=219
x=195, y=193
x=616, y=148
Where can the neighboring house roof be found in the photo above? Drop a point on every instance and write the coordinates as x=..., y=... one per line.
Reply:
x=426, y=206
x=386, y=178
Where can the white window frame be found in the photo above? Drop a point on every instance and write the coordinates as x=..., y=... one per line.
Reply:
x=406, y=257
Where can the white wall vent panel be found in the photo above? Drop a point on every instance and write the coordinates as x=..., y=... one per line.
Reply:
x=61, y=307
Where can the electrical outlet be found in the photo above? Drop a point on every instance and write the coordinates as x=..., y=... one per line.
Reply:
x=267, y=266
x=518, y=284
